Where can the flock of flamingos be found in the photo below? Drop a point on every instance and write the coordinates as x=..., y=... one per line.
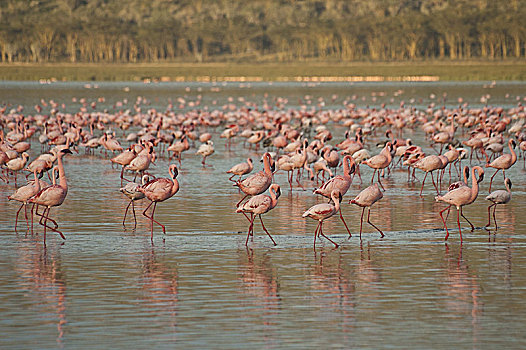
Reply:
x=293, y=140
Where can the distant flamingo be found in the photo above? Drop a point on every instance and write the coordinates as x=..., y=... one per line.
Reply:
x=259, y=205
x=503, y=162
x=366, y=199
x=498, y=197
x=159, y=190
x=324, y=211
x=460, y=197
x=131, y=190
x=23, y=194
x=241, y=169
x=341, y=183
x=52, y=196
x=206, y=149
x=256, y=183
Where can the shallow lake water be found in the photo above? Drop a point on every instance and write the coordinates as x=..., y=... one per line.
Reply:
x=199, y=286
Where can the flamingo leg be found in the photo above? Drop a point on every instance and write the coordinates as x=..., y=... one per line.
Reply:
x=489, y=214
x=242, y=199
x=423, y=181
x=491, y=180
x=316, y=232
x=265, y=229
x=344, y=223
x=444, y=221
x=372, y=178
x=361, y=222
x=157, y=222
x=373, y=225
x=469, y=222
x=458, y=222
x=494, y=219
x=16, y=218
x=330, y=240
x=380, y=182
x=25, y=215
x=134, y=217
x=434, y=184
x=49, y=227
x=250, y=227
x=125, y=213
x=32, y=208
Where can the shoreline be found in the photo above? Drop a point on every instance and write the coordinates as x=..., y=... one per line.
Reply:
x=300, y=72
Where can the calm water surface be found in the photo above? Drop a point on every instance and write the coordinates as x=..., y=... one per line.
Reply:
x=200, y=287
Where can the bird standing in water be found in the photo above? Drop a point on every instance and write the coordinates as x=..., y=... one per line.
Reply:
x=159, y=190
x=259, y=205
x=322, y=212
x=498, y=197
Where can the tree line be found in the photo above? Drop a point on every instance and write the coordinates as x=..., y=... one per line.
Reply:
x=137, y=31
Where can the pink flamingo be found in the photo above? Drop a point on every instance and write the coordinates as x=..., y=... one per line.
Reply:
x=380, y=161
x=259, y=205
x=366, y=199
x=503, y=162
x=324, y=211
x=23, y=194
x=256, y=183
x=498, y=197
x=124, y=159
x=241, y=169
x=341, y=183
x=429, y=164
x=52, y=196
x=159, y=190
x=460, y=197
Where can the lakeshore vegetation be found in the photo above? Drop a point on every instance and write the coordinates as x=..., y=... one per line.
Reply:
x=200, y=31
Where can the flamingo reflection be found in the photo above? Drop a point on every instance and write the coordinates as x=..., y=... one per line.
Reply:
x=332, y=280
x=260, y=283
x=160, y=287
x=462, y=288
x=42, y=275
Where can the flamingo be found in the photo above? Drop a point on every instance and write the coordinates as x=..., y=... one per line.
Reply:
x=124, y=159
x=341, y=183
x=142, y=162
x=159, y=190
x=52, y=196
x=503, y=162
x=179, y=147
x=366, y=199
x=460, y=197
x=17, y=164
x=380, y=161
x=324, y=211
x=241, y=169
x=498, y=197
x=256, y=183
x=429, y=164
x=23, y=194
x=206, y=149
x=259, y=205
x=131, y=191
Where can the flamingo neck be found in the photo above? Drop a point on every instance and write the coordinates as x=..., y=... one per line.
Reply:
x=513, y=154
x=61, y=174
x=346, y=166
x=37, y=183
x=474, y=184
x=175, y=183
x=336, y=203
x=266, y=164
